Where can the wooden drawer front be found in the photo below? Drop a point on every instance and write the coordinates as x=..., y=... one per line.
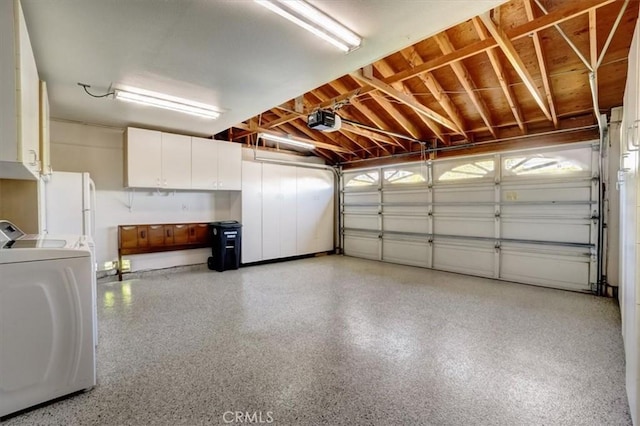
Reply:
x=168, y=235
x=181, y=234
x=198, y=233
x=156, y=235
x=143, y=236
x=128, y=236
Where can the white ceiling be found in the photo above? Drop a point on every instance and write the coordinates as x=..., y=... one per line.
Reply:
x=233, y=54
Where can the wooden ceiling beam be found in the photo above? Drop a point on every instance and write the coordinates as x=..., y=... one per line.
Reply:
x=516, y=62
x=330, y=147
x=428, y=79
x=305, y=130
x=569, y=10
x=385, y=70
x=496, y=64
x=365, y=110
x=380, y=145
x=542, y=64
x=466, y=81
x=405, y=99
x=368, y=134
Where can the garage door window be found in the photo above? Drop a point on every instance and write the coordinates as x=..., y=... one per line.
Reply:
x=463, y=171
x=362, y=180
x=570, y=162
x=405, y=175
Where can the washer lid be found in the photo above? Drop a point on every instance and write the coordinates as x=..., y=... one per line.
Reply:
x=18, y=255
x=20, y=244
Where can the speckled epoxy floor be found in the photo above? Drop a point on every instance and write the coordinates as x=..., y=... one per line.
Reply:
x=337, y=340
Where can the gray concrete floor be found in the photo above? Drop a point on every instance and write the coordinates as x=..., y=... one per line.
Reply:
x=337, y=340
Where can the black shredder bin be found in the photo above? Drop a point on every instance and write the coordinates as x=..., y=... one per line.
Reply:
x=226, y=238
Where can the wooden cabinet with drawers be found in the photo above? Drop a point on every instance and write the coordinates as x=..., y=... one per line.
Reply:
x=152, y=238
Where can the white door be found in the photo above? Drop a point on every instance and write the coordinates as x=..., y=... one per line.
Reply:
x=314, y=208
x=251, y=212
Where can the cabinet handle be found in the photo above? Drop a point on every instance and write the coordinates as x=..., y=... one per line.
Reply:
x=143, y=234
x=168, y=233
x=192, y=231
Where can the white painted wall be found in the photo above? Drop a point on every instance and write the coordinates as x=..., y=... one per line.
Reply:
x=98, y=150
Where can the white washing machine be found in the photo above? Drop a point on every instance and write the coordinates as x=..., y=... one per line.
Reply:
x=48, y=318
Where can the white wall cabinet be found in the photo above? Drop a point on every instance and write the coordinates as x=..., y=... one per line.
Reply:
x=215, y=164
x=176, y=161
x=286, y=211
x=155, y=159
x=19, y=97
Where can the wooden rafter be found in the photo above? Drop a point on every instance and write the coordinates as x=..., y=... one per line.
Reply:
x=365, y=110
x=405, y=99
x=327, y=146
x=542, y=64
x=367, y=133
x=496, y=64
x=428, y=79
x=512, y=55
x=310, y=133
x=466, y=81
x=385, y=69
x=380, y=144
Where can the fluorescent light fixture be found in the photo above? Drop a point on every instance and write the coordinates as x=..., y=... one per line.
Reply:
x=286, y=140
x=314, y=21
x=159, y=100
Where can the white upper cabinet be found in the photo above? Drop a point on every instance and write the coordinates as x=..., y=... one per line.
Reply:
x=19, y=97
x=204, y=164
x=143, y=158
x=155, y=159
x=176, y=161
x=216, y=164
x=229, y=166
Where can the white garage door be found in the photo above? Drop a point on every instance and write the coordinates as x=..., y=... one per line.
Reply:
x=527, y=216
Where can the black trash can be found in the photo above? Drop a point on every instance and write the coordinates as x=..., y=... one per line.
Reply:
x=226, y=238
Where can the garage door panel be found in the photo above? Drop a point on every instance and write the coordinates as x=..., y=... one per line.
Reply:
x=469, y=194
x=463, y=226
x=362, y=246
x=546, y=211
x=406, y=252
x=545, y=194
x=360, y=197
x=465, y=210
x=361, y=221
x=405, y=224
x=473, y=259
x=572, y=231
x=421, y=196
x=556, y=268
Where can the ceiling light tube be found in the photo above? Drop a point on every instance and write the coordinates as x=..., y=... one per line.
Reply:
x=158, y=101
x=286, y=140
x=314, y=21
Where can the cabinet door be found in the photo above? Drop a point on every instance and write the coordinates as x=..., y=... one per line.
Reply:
x=181, y=234
x=156, y=235
x=143, y=158
x=29, y=100
x=204, y=164
x=143, y=236
x=200, y=233
x=288, y=212
x=229, y=165
x=314, y=226
x=176, y=161
x=271, y=200
x=129, y=236
x=251, y=212
x=168, y=235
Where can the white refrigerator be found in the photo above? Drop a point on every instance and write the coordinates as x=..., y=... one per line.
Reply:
x=69, y=201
